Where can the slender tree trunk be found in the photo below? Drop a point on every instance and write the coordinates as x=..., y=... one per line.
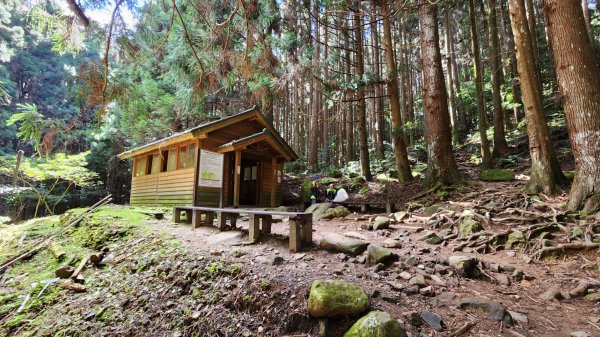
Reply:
x=349, y=109
x=361, y=104
x=546, y=174
x=325, y=116
x=486, y=155
x=588, y=21
x=313, y=154
x=378, y=100
x=500, y=146
x=578, y=75
x=400, y=153
x=461, y=111
x=452, y=106
x=441, y=166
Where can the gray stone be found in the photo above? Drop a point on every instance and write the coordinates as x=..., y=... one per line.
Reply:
x=493, y=310
x=593, y=297
x=418, y=280
x=431, y=238
x=468, y=226
x=433, y=320
x=507, y=267
x=427, y=291
x=342, y=244
x=405, y=275
x=391, y=243
x=517, y=316
x=502, y=279
x=277, y=260
x=376, y=323
x=366, y=226
x=401, y=215
x=579, y=334
x=412, y=261
x=336, y=298
x=518, y=274
x=411, y=290
x=389, y=298
x=464, y=265
x=552, y=294
x=381, y=222
x=376, y=254
x=318, y=210
x=356, y=235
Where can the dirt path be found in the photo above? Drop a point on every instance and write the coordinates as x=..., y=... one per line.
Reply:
x=394, y=294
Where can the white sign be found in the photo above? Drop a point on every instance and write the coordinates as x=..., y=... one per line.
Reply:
x=211, y=169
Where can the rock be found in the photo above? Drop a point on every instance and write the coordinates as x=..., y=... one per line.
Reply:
x=336, y=298
x=431, y=238
x=502, y=279
x=518, y=274
x=396, y=285
x=401, y=215
x=341, y=244
x=381, y=222
x=494, y=310
x=376, y=323
x=464, y=265
x=376, y=254
x=593, y=297
x=411, y=290
x=318, y=210
x=335, y=212
x=515, y=240
x=366, y=226
x=579, y=334
x=552, y=294
x=356, y=235
x=497, y=175
x=389, y=298
x=517, y=316
x=427, y=291
x=430, y=210
x=411, y=261
x=433, y=320
x=580, y=289
x=507, y=267
x=418, y=280
x=468, y=226
x=437, y=280
x=405, y=275
x=391, y=243
x=216, y=253
x=277, y=260
x=64, y=272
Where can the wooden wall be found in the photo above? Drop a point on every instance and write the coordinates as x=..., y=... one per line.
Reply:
x=164, y=188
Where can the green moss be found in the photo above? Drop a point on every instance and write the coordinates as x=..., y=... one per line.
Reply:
x=336, y=298
x=570, y=175
x=468, y=226
x=376, y=324
x=335, y=212
x=443, y=195
x=515, y=240
x=497, y=175
x=265, y=285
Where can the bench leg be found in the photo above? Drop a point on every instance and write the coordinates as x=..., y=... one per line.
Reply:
x=196, y=217
x=176, y=215
x=210, y=217
x=188, y=216
x=253, y=227
x=221, y=220
x=307, y=229
x=233, y=220
x=266, y=224
x=295, y=235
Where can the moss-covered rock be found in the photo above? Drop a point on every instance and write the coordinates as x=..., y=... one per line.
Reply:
x=342, y=244
x=376, y=324
x=377, y=254
x=318, y=210
x=468, y=226
x=515, y=240
x=464, y=265
x=497, y=175
x=381, y=222
x=337, y=298
x=335, y=212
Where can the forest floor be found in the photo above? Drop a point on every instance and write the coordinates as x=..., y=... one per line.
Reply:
x=165, y=279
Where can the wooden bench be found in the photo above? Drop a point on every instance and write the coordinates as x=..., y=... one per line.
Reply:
x=300, y=222
x=364, y=205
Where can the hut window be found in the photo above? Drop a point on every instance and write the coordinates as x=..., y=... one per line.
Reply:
x=191, y=155
x=182, y=157
x=172, y=160
x=165, y=157
x=154, y=164
x=140, y=166
x=187, y=155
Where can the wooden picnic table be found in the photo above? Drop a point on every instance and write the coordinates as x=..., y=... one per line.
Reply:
x=300, y=222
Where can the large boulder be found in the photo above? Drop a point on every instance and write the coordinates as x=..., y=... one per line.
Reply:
x=381, y=222
x=337, y=298
x=468, y=226
x=464, y=265
x=376, y=324
x=318, y=210
x=335, y=212
x=377, y=254
x=342, y=244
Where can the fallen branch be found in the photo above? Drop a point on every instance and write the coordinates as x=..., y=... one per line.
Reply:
x=79, y=268
x=463, y=329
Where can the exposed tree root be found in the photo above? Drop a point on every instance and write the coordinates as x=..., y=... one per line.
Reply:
x=564, y=247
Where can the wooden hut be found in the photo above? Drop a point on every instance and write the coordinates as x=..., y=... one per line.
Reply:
x=234, y=161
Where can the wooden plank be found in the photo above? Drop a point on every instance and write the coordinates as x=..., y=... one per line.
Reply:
x=253, y=227
x=273, y=180
x=295, y=235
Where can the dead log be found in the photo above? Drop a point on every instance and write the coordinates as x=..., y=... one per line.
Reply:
x=58, y=252
x=76, y=287
x=97, y=258
x=64, y=272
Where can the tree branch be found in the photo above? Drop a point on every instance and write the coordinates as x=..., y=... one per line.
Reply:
x=78, y=11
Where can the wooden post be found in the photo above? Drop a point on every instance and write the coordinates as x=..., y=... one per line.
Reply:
x=236, y=178
x=254, y=227
x=307, y=229
x=210, y=217
x=176, y=215
x=274, y=183
x=16, y=173
x=188, y=216
x=266, y=224
x=295, y=235
x=221, y=220
x=196, y=218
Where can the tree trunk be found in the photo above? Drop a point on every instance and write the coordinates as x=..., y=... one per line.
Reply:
x=546, y=174
x=349, y=155
x=578, y=75
x=500, y=146
x=451, y=101
x=313, y=152
x=486, y=155
x=400, y=153
x=441, y=166
x=378, y=100
x=586, y=17
x=325, y=116
x=361, y=104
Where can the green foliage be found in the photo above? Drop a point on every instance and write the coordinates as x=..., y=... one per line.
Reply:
x=32, y=124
